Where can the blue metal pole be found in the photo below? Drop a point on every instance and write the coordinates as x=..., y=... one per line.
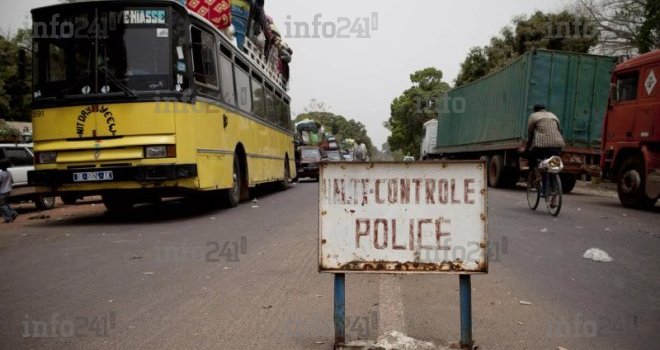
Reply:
x=340, y=309
x=466, y=311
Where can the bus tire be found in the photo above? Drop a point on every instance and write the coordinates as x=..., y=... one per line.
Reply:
x=285, y=183
x=44, y=202
x=233, y=194
x=496, y=171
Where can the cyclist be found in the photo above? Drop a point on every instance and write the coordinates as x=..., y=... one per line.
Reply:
x=543, y=138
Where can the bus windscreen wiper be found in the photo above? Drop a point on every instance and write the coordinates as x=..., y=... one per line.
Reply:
x=117, y=82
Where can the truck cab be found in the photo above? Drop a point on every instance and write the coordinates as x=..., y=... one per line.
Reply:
x=631, y=131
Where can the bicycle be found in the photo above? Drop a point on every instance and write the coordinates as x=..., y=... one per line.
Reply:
x=549, y=187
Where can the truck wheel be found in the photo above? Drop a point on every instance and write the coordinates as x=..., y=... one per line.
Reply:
x=496, y=171
x=567, y=182
x=487, y=160
x=631, y=184
x=43, y=202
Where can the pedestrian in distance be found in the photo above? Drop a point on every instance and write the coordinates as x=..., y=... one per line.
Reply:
x=544, y=138
x=6, y=183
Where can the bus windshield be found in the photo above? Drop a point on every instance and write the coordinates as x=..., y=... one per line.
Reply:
x=102, y=53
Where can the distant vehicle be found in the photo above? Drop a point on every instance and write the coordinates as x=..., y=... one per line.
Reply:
x=310, y=159
x=487, y=119
x=21, y=158
x=408, y=159
x=631, y=131
x=333, y=155
x=430, y=138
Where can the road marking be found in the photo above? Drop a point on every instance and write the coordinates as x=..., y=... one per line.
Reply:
x=391, y=305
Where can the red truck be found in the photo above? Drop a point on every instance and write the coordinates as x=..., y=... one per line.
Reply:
x=631, y=131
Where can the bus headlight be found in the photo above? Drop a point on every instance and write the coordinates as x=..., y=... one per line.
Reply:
x=46, y=157
x=168, y=151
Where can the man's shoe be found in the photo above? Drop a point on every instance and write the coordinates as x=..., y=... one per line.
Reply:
x=553, y=202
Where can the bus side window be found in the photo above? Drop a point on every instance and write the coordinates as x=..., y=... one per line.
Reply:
x=270, y=105
x=227, y=81
x=228, y=95
x=286, y=115
x=277, y=104
x=243, y=91
x=258, y=100
x=204, y=62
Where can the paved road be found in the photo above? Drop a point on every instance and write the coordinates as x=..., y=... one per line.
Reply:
x=124, y=273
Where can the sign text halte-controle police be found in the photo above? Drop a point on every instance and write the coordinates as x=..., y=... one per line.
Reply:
x=402, y=232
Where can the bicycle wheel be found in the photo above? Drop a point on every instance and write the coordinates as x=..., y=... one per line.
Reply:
x=533, y=192
x=553, y=194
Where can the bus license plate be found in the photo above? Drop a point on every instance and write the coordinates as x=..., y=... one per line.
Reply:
x=92, y=176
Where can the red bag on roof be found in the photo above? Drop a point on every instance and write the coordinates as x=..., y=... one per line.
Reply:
x=216, y=11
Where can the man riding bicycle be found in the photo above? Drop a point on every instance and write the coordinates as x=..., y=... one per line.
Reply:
x=543, y=138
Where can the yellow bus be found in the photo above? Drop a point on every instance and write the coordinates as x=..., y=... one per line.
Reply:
x=139, y=100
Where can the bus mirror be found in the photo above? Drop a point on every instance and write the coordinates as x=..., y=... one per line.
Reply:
x=614, y=93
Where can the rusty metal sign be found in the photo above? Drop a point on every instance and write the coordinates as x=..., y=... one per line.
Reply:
x=411, y=217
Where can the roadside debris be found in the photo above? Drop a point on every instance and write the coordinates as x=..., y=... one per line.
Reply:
x=391, y=341
x=148, y=273
x=523, y=302
x=596, y=254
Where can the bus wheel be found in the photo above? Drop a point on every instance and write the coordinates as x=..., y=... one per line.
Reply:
x=43, y=202
x=233, y=194
x=285, y=184
x=632, y=184
x=117, y=204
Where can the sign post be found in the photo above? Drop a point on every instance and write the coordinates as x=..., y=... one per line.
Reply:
x=403, y=218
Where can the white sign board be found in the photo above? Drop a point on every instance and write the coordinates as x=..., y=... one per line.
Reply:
x=420, y=217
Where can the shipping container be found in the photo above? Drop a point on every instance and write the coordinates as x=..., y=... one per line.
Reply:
x=487, y=118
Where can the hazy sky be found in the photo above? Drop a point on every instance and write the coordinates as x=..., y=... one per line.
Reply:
x=359, y=77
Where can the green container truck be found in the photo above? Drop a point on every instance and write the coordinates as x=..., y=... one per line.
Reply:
x=487, y=119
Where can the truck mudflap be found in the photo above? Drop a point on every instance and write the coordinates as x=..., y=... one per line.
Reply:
x=653, y=184
x=55, y=178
